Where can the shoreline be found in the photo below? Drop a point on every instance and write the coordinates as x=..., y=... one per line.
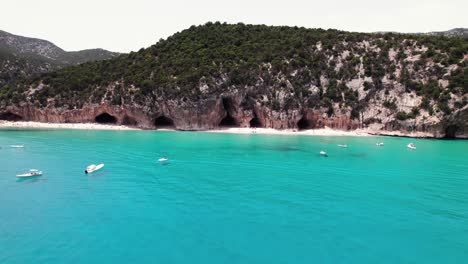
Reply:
x=77, y=126
x=235, y=130
x=293, y=132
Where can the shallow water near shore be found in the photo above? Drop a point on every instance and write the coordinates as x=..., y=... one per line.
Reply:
x=226, y=198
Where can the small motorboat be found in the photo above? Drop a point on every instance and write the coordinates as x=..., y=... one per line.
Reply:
x=92, y=168
x=31, y=173
x=380, y=144
x=323, y=153
x=16, y=146
x=163, y=159
x=411, y=146
x=342, y=145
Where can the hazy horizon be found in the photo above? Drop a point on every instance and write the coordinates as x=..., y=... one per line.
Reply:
x=124, y=26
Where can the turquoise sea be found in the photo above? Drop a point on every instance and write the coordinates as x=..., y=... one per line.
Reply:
x=231, y=199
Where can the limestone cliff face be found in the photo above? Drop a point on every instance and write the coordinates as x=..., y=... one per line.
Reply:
x=299, y=118
x=201, y=117
x=228, y=112
x=209, y=114
x=238, y=110
x=88, y=114
x=456, y=126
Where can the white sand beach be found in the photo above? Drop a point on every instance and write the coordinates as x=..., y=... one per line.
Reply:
x=83, y=126
x=310, y=132
x=235, y=130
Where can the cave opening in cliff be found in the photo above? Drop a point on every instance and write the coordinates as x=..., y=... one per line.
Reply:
x=228, y=120
x=163, y=121
x=255, y=122
x=451, y=131
x=9, y=116
x=303, y=124
x=105, y=118
x=129, y=121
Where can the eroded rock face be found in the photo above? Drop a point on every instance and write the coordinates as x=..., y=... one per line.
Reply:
x=206, y=114
x=228, y=111
x=261, y=116
x=9, y=116
x=318, y=119
x=87, y=114
x=456, y=126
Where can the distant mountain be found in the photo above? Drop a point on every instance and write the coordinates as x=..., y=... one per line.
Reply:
x=77, y=57
x=456, y=32
x=23, y=57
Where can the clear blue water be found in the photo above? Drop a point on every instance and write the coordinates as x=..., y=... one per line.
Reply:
x=231, y=199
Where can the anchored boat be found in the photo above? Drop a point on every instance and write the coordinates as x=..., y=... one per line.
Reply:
x=31, y=173
x=92, y=168
x=411, y=146
x=163, y=159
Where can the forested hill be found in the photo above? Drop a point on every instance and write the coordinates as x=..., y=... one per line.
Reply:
x=271, y=73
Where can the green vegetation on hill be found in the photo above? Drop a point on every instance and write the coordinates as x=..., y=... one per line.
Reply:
x=290, y=66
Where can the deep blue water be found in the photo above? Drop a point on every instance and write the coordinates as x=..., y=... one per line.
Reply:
x=231, y=199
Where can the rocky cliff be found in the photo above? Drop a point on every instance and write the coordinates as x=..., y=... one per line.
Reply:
x=220, y=75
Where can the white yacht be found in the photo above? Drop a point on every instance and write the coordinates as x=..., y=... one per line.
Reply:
x=92, y=168
x=411, y=146
x=31, y=173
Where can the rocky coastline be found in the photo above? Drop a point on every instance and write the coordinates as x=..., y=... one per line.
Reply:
x=227, y=115
x=257, y=76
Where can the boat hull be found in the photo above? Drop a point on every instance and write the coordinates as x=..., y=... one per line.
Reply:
x=27, y=175
x=98, y=167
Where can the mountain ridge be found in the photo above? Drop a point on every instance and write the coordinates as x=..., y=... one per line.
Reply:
x=24, y=56
x=454, y=32
x=22, y=45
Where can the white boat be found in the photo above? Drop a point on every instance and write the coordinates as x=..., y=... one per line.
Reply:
x=380, y=144
x=16, y=146
x=411, y=146
x=163, y=159
x=31, y=173
x=323, y=153
x=92, y=168
x=342, y=145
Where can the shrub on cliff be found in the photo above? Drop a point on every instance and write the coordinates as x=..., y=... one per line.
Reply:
x=390, y=104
